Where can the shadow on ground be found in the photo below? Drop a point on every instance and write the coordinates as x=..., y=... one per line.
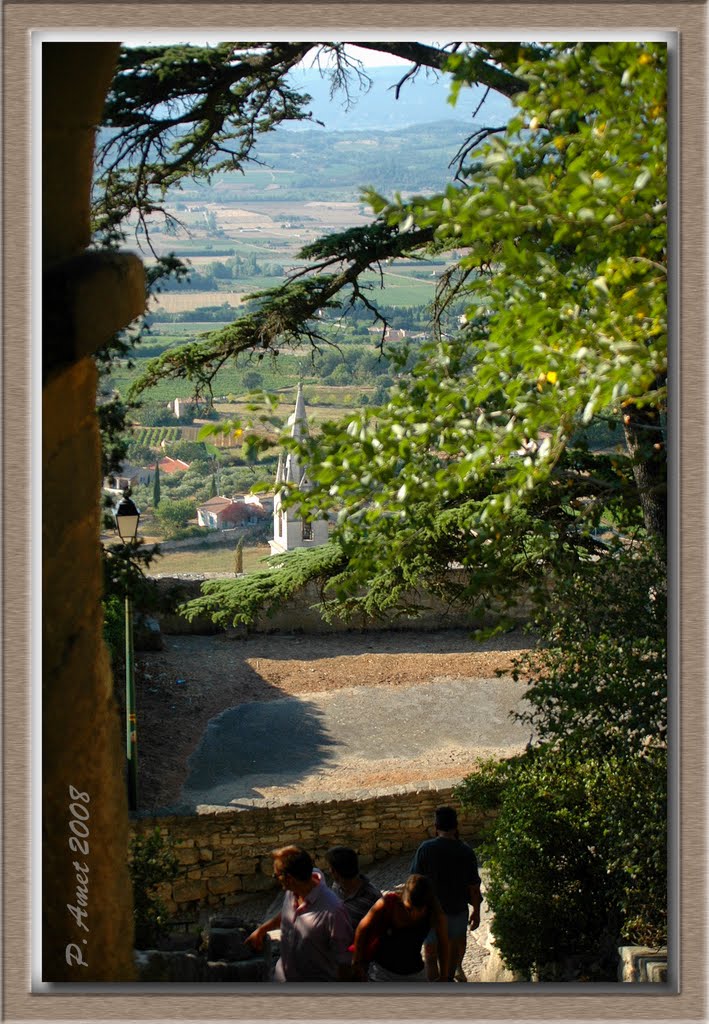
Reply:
x=285, y=738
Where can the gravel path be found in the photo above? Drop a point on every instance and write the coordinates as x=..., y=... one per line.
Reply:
x=328, y=745
x=196, y=678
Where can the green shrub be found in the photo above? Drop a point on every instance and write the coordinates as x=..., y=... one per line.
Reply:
x=114, y=625
x=174, y=514
x=577, y=853
x=576, y=856
x=152, y=861
x=183, y=533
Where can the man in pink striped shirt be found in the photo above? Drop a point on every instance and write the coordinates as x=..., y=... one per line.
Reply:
x=315, y=927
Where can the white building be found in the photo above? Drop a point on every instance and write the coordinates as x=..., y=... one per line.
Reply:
x=290, y=531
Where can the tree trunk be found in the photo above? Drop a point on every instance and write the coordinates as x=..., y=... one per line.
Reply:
x=645, y=438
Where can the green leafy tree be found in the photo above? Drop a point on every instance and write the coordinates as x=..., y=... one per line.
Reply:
x=561, y=216
x=173, y=514
x=139, y=454
x=550, y=319
x=188, y=451
x=252, y=448
x=153, y=414
x=241, y=601
x=577, y=852
x=252, y=379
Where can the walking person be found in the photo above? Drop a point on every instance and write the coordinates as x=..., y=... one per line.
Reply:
x=316, y=932
x=453, y=869
x=354, y=889
x=388, y=940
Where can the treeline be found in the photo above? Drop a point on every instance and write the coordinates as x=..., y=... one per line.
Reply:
x=218, y=272
x=203, y=314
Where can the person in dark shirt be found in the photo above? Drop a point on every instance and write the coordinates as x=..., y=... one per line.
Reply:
x=453, y=869
x=354, y=889
x=388, y=940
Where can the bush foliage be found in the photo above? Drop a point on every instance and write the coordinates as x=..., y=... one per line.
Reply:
x=578, y=852
x=152, y=861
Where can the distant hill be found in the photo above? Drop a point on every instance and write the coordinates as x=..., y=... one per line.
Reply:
x=421, y=101
x=409, y=158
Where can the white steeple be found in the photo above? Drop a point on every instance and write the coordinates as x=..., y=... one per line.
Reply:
x=288, y=531
x=298, y=420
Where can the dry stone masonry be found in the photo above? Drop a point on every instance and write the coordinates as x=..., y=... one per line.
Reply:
x=224, y=853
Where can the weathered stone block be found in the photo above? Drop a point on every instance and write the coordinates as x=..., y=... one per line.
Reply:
x=258, y=883
x=186, y=855
x=220, y=886
x=242, y=866
x=206, y=854
x=214, y=870
x=184, y=892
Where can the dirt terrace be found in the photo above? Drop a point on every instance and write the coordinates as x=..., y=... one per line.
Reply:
x=179, y=689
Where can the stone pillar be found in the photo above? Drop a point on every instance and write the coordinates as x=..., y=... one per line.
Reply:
x=86, y=901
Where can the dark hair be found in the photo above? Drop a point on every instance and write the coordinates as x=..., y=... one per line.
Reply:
x=295, y=861
x=344, y=860
x=446, y=819
x=420, y=892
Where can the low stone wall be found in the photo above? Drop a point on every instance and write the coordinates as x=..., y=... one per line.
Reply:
x=300, y=614
x=224, y=853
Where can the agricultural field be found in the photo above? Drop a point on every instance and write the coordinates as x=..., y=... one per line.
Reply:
x=173, y=332
x=154, y=436
x=209, y=559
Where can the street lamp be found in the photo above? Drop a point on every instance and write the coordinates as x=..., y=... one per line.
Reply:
x=127, y=519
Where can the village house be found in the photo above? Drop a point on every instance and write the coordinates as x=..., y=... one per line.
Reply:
x=126, y=477
x=170, y=465
x=221, y=513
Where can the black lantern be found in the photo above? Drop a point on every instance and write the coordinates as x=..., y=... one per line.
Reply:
x=127, y=518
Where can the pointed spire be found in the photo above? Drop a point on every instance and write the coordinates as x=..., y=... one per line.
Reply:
x=298, y=420
x=279, y=471
x=293, y=472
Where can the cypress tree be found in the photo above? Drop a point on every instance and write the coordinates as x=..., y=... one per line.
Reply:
x=156, y=486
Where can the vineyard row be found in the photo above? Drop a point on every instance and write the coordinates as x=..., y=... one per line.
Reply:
x=154, y=436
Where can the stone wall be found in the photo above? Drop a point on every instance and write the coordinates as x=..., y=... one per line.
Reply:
x=224, y=853
x=300, y=614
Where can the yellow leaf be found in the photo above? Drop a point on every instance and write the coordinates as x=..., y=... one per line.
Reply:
x=552, y=376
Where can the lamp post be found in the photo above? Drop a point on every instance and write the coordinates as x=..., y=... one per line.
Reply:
x=127, y=519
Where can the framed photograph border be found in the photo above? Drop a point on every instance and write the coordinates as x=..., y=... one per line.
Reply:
x=688, y=444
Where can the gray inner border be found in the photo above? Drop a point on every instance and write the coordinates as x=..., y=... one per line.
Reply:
x=688, y=580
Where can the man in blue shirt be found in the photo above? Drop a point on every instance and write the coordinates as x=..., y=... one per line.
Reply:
x=453, y=869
